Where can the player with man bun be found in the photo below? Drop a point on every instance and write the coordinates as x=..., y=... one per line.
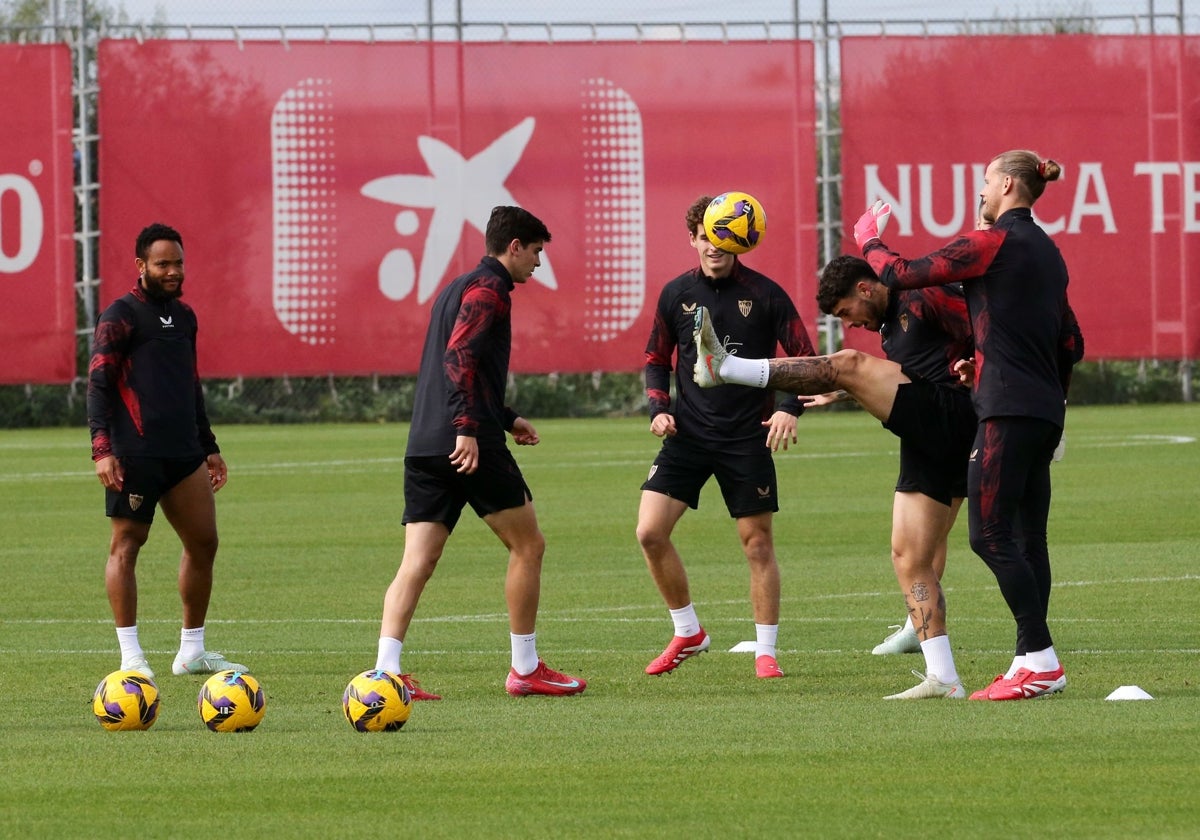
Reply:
x=1026, y=341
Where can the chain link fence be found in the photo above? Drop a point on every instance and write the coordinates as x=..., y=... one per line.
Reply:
x=82, y=25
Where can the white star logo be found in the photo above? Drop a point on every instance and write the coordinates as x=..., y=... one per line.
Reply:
x=458, y=191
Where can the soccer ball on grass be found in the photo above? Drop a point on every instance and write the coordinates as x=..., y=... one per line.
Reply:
x=231, y=701
x=376, y=701
x=126, y=700
x=735, y=222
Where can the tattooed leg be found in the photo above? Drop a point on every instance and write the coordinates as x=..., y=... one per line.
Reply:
x=870, y=380
x=803, y=375
x=927, y=610
x=920, y=526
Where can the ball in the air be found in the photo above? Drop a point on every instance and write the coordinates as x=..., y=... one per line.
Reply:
x=735, y=222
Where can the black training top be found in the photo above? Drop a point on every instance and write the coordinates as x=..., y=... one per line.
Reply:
x=752, y=315
x=926, y=331
x=1015, y=282
x=464, y=366
x=144, y=396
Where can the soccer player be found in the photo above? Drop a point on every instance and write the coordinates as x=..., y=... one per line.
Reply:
x=728, y=432
x=904, y=639
x=1026, y=340
x=153, y=446
x=917, y=396
x=457, y=453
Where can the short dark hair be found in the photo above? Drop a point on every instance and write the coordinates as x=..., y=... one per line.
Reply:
x=695, y=213
x=153, y=233
x=839, y=278
x=509, y=223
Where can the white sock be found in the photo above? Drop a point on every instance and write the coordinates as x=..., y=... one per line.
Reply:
x=1017, y=664
x=1040, y=661
x=686, y=623
x=524, y=653
x=765, y=636
x=388, y=657
x=939, y=659
x=131, y=648
x=752, y=372
x=191, y=642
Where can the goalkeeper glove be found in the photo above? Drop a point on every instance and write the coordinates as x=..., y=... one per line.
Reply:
x=871, y=224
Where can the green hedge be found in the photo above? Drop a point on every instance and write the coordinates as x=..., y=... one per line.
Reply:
x=389, y=399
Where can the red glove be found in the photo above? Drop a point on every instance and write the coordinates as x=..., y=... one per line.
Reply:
x=870, y=225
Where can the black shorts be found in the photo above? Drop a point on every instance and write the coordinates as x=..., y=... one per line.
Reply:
x=434, y=490
x=936, y=426
x=747, y=481
x=146, y=481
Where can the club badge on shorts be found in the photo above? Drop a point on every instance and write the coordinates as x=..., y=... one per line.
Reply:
x=135, y=501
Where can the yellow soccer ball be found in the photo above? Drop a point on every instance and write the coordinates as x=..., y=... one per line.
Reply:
x=376, y=701
x=126, y=700
x=735, y=222
x=231, y=701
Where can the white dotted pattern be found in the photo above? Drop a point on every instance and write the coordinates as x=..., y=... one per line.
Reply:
x=613, y=211
x=305, y=211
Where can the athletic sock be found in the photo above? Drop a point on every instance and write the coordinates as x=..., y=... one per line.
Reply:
x=765, y=636
x=191, y=643
x=939, y=659
x=388, y=657
x=752, y=372
x=686, y=623
x=524, y=653
x=131, y=648
x=1040, y=661
x=1017, y=664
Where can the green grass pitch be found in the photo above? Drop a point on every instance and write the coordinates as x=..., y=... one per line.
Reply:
x=311, y=537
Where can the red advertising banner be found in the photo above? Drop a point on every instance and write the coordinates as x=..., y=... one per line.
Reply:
x=37, y=220
x=922, y=117
x=327, y=192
